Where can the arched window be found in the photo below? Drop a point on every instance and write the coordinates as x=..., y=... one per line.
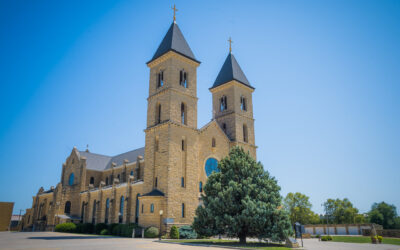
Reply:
x=160, y=79
x=156, y=182
x=91, y=180
x=182, y=182
x=158, y=114
x=183, y=79
x=201, y=187
x=156, y=144
x=211, y=166
x=94, y=212
x=245, y=136
x=107, y=211
x=183, y=114
x=243, y=103
x=83, y=211
x=223, y=105
x=121, y=210
x=183, y=210
x=213, y=143
x=142, y=208
x=71, y=179
x=152, y=208
x=224, y=127
x=106, y=181
x=67, y=208
x=137, y=209
x=119, y=177
x=131, y=172
x=183, y=145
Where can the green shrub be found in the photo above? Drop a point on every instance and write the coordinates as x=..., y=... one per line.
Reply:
x=174, y=234
x=326, y=238
x=68, y=227
x=84, y=228
x=104, y=232
x=151, y=232
x=111, y=227
x=99, y=227
x=380, y=238
x=187, y=232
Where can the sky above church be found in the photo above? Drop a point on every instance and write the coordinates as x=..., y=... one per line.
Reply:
x=326, y=73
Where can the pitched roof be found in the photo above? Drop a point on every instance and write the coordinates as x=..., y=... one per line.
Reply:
x=231, y=71
x=174, y=41
x=154, y=192
x=103, y=162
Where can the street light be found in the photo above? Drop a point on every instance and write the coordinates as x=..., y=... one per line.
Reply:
x=161, y=213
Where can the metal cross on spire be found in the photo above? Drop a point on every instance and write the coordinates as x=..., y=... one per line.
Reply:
x=230, y=44
x=175, y=10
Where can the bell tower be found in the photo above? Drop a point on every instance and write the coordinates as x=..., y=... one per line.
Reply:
x=233, y=105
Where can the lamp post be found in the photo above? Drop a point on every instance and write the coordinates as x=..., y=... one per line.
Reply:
x=161, y=213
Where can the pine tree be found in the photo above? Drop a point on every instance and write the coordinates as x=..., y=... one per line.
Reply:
x=242, y=200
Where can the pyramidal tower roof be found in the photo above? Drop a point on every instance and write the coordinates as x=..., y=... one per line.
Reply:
x=231, y=71
x=174, y=41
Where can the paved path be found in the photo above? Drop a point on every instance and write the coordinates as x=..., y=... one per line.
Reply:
x=53, y=241
x=314, y=244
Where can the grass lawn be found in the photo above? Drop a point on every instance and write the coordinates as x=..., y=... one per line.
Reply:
x=234, y=243
x=364, y=239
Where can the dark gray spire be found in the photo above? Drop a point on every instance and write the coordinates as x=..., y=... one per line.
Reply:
x=231, y=71
x=174, y=41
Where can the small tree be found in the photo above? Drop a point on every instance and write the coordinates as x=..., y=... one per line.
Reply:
x=299, y=209
x=242, y=200
x=174, y=234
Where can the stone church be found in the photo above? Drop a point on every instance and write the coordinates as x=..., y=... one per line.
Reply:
x=163, y=181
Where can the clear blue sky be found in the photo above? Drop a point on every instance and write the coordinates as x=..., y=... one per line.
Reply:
x=326, y=73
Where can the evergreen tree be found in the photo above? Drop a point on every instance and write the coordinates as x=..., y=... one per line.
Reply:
x=242, y=200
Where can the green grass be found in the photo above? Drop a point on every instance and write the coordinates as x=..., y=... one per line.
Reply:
x=364, y=239
x=234, y=243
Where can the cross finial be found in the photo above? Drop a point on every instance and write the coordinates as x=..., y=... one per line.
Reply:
x=175, y=10
x=230, y=44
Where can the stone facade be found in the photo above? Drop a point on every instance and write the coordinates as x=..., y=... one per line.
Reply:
x=168, y=173
x=6, y=209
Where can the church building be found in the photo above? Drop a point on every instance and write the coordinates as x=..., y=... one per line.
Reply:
x=162, y=181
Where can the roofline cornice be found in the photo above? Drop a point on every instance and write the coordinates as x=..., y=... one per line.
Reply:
x=228, y=84
x=169, y=54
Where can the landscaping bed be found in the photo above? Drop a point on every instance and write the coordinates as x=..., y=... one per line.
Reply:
x=231, y=243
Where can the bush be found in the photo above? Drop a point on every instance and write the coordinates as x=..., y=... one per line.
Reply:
x=187, y=232
x=99, y=227
x=111, y=227
x=174, y=234
x=326, y=238
x=380, y=238
x=85, y=228
x=68, y=227
x=151, y=232
x=104, y=232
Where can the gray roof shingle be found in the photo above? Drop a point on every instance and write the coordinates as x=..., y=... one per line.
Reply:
x=154, y=192
x=231, y=71
x=103, y=162
x=174, y=41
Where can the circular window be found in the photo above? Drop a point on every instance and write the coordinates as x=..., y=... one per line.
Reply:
x=211, y=166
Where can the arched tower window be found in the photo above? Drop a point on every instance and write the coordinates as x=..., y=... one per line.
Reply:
x=131, y=172
x=94, y=212
x=137, y=209
x=106, y=181
x=91, y=180
x=223, y=105
x=107, y=211
x=160, y=79
x=152, y=208
x=121, y=210
x=83, y=211
x=158, y=114
x=67, y=208
x=183, y=114
x=71, y=179
x=213, y=143
x=224, y=127
x=245, y=135
x=156, y=182
x=201, y=187
x=183, y=79
x=243, y=103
